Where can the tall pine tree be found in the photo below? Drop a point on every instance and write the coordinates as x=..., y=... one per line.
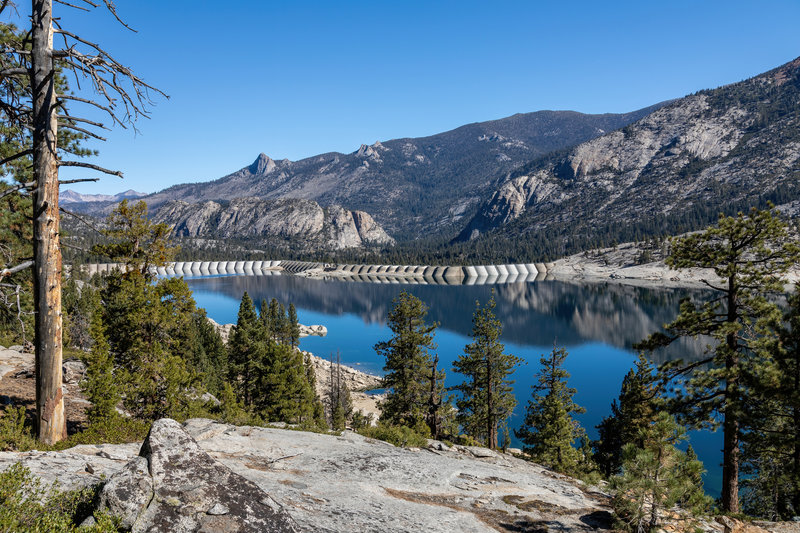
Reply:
x=639, y=401
x=487, y=398
x=549, y=429
x=749, y=253
x=771, y=452
x=408, y=363
x=245, y=350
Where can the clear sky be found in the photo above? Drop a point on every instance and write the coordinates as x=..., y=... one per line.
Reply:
x=293, y=78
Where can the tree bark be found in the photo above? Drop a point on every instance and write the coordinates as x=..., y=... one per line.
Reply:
x=730, y=447
x=51, y=422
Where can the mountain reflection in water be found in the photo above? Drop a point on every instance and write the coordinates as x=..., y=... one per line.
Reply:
x=535, y=314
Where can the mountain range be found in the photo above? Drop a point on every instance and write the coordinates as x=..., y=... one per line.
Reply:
x=407, y=184
x=68, y=196
x=531, y=185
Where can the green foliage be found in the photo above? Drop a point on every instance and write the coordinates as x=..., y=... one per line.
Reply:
x=639, y=400
x=152, y=336
x=771, y=452
x=360, y=420
x=487, y=398
x=15, y=433
x=271, y=376
x=409, y=364
x=101, y=387
x=27, y=505
x=293, y=327
x=135, y=241
x=549, y=429
x=657, y=476
x=79, y=303
x=245, y=349
x=749, y=253
x=400, y=436
x=113, y=430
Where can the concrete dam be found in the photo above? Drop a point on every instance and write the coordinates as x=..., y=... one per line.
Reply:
x=438, y=275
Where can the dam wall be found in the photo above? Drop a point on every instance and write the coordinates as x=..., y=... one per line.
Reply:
x=400, y=274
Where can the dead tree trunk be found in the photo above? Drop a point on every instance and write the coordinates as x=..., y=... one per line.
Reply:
x=50, y=419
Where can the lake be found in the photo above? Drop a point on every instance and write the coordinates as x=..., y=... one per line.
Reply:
x=596, y=323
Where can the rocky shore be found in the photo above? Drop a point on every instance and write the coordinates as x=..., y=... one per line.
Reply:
x=627, y=263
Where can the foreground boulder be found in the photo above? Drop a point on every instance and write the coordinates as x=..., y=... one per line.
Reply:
x=175, y=486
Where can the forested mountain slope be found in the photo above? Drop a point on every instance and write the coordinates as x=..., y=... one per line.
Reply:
x=674, y=170
x=410, y=186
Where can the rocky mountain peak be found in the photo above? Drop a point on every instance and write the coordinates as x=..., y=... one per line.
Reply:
x=262, y=165
x=372, y=152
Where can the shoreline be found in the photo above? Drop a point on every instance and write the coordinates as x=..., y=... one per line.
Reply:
x=611, y=265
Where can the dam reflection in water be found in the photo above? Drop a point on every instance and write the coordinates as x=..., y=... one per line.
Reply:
x=596, y=323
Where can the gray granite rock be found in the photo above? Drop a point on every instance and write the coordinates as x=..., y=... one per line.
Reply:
x=175, y=486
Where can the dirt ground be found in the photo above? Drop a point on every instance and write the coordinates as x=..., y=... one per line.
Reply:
x=21, y=390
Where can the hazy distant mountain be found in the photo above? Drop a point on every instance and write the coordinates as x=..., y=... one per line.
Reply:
x=68, y=196
x=411, y=186
x=719, y=150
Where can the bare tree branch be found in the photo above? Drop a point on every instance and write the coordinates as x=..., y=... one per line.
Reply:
x=90, y=102
x=113, y=10
x=16, y=156
x=84, y=121
x=62, y=243
x=13, y=270
x=89, y=166
x=15, y=71
x=16, y=188
x=82, y=130
x=80, y=218
x=82, y=180
x=63, y=3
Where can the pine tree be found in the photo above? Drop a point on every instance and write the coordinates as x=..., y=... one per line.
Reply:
x=771, y=452
x=265, y=320
x=655, y=477
x=151, y=330
x=437, y=405
x=639, y=400
x=274, y=320
x=341, y=406
x=408, y=363
x=487, y=396
x=293, y=327
x=282, y=324
x=549, y=429
x=135, y=240
x=244, y=351
x=101, y=387
x=318, y=408
x=211, y=359
x=749, y=253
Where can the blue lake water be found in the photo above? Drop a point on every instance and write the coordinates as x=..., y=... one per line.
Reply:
x=596, y=323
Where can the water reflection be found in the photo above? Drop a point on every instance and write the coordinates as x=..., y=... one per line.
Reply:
x=534, y=314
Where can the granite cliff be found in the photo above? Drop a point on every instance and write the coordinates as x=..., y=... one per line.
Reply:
x=305, y=221
x=674, y=170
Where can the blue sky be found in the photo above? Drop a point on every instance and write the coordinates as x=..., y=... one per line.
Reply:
x=293, y=79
